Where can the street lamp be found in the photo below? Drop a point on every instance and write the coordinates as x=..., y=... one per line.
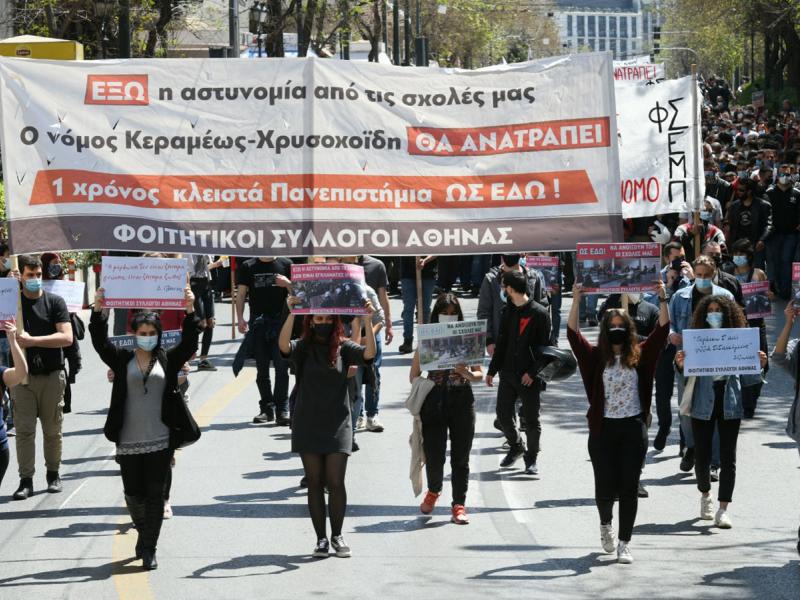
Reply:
x=258, y=16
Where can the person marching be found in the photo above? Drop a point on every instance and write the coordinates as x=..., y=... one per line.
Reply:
x=200, y=266
x=716, y=402
x=322, y=429
x=147, y=418
x=9, y=377
x=449, y=407
x=618, y=376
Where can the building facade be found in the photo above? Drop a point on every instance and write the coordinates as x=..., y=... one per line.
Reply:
x=624, y=27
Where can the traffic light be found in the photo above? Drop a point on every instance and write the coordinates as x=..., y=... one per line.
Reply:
x=657, y=39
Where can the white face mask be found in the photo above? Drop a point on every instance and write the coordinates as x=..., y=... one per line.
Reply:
x=448, y=318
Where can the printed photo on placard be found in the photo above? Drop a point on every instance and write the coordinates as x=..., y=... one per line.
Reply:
x=796, y=287
x=618, y=268
x=329, y=289
x=547, y=266
x=445, y=345
x=757, y=304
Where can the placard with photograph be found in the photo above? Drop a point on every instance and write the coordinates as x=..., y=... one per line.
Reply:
x=618, y=268
x=547, y=266
x=757, y=304
x=445, y=345
x=329, y=289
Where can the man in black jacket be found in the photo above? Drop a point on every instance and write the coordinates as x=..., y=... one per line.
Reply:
x=750, y=217
x=721, y=278
x=524, y=325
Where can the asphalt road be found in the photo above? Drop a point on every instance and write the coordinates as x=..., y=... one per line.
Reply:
x=241, y=528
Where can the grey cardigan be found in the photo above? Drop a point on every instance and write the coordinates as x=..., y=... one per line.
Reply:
x=789, y=361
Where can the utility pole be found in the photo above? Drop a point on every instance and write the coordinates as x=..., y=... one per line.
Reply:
x=420, y=43
x=124, y=42
x=396, y=32
x=233, y=28
x=407, y=33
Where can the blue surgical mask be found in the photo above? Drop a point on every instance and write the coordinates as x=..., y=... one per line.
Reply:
x=33, y=285
x=705, y=215
x=702, y=284
x=714, y=319
x=740, y=260
x=147, y=342
x=6, y=264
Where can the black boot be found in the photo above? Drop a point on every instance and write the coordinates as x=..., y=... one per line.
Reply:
x=25, y=489
x=149, y=562
x=153, y=518
x=407, y=346
x=136, y=510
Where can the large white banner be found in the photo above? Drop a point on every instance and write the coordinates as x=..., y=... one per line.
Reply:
x=635, y=70
x=661, y=163
x=291, y=157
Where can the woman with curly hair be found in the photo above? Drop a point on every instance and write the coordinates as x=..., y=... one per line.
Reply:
x=322, y=429
x=618, y=377
x=717, y=402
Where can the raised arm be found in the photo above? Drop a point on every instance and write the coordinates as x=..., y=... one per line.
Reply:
x=19, y=371
x=189, y=331
x=98, y=330
x=574, y=311
x=285, y=337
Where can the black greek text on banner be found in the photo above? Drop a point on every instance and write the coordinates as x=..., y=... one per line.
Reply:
x=293, y=157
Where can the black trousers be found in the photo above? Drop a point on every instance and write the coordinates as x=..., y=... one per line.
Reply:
x=617, y=452
x=4, y=456
x=448, y=409
x=665, y=383
x=728, y=435
x=144, y=478
x=509, y=389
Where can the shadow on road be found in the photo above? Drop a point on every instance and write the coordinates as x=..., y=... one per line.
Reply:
x=281, y=564
x=551, y=568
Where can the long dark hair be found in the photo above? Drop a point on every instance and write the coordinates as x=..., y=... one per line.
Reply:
x=732, y=314
x=630, y=347
x=148, y=318
x=443, y=302
x=336, y=337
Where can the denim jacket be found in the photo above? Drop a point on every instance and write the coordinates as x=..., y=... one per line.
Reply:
x=681, y=309
x=703, y=398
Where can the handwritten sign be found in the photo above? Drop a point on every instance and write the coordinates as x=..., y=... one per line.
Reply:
x=757, y=304
x=445, y=345
x=71, y=291
x=169, y=339
x=9, y=297
x=329, y=289
x=721, y=351
x=618, y=268
x=134, y=282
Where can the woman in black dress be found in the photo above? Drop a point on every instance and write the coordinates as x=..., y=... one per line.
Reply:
x=322, y=430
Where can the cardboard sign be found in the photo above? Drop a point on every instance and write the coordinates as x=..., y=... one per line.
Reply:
x=757, y=304
x=169, y=339
x=71, y=291
x=445, y=345
x=329, y=289
x=134, y=282
x=9, y=298
x=721, y=351
x=547, y=266
x=618, y=268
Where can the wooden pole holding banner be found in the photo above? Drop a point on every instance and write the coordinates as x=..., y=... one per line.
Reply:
x=232, y=261
x=695, y=175
x=420, y=299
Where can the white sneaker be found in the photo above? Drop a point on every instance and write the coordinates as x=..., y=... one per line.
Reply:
x=624, y=556
x=722, y=520
x=373, y=424
x=713, y=474
x=167, y=510
x=706, y=508
x=361, y=424
x=608, y=538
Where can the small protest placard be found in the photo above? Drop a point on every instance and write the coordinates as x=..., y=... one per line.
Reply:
x=71, y=291
x=618, y=268
x=757, y=304
x=9, y=298
x=168, y=340
x=329, y=289
x=548, y=266
x=134, y=282
x=796, y=287
x=445, y=345
x=721, y=351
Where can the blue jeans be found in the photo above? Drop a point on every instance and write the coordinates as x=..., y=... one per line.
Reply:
x=372, y=393
x=408, y=287
x=781, y=250
x=481, y=264
x=555, y=318
x=589, y=306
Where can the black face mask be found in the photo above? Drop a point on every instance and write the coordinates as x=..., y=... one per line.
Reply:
x=717, y=259
x=323, y=331
x=54, y=271
x=617, y=335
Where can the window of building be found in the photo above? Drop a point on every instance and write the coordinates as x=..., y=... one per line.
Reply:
x=601, y=26
x=591, y=26
x=646, y=25
x=633, y=27
x=602, y=45
x=612, y=27
x=569, y=25
x=592, y=43
x=623, y=48
x=623, y=27
x=580, y=42
x=612, y=45
x=581, y=25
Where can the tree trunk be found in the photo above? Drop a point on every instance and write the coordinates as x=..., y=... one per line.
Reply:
x=308, y=27
x=377, y=30
x=159, y=31
x=273, y=43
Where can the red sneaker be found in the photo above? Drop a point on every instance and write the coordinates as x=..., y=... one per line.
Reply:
x=429, y=502
x=460, y=515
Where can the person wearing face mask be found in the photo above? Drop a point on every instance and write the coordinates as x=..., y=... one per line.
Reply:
x=782, y=242
x=721, y=277
x=322, y=428
x=709, y=232
x=618, y=376
x=716, y=187
x=750, y=217
x=52, y=269
x=746, y=273
x=681, y=308
x=524, y=325
x=47, y=331
x=716, y=404
x=147, y=418
x=448, y=408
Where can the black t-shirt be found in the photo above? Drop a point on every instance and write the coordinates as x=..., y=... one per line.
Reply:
x=40, y=317
x=408, y=268
x=374, y=273
x=266, y=298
